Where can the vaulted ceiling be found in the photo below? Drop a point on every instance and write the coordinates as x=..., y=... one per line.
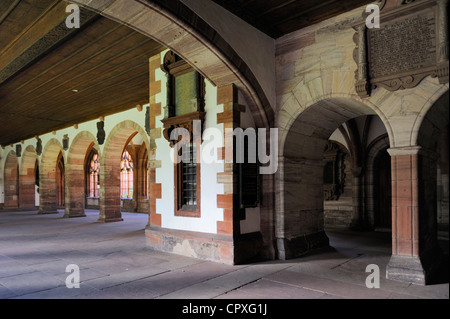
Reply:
x=52, y=77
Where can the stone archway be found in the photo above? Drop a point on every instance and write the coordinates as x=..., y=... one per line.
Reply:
x=47, y=177
x=27, y=181
x=299, y=218
x=75, y=173
x=115, y=144
x=11, y=181
x=416, y=255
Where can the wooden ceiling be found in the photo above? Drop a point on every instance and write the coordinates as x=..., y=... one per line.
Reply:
x=43, y=64
x=279, y=17
x=52, y=77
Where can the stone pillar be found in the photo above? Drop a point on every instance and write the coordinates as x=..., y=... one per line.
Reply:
x=47, y=191
x=357, y=198
x=415, y=251
x=300, y=226
x=27, y=190
x=75, y=196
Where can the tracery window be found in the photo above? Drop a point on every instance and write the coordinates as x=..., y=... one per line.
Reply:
x=94, y=171
x=126, y=175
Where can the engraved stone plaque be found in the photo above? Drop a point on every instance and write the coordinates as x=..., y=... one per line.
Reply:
x=402, y=46
x=411, y=44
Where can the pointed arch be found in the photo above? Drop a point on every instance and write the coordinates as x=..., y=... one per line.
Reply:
x=27, y=178
x=11, y=181
x=47, y=177
x=75, y=173
x=116, y=142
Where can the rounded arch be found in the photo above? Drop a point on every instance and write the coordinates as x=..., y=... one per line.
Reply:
x=47, y=176
x=432, y=123
x=11, y=181
x=440, y=96
x=347, y=105
x=177, y=27
x=75, y=172
x=116, y=142
x=27, y=178
x=300, y=214
x=432, y=172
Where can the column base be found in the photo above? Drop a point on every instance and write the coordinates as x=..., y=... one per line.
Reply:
x=406, y=269
x=48, y=212
x=74, y=215
x=299, y=246
x=110, y=220
x=414, y=270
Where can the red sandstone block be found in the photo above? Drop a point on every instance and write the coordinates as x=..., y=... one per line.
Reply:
x=226, y=253
x=404, y=247
x=226, y=94
x=152, y=205
x=225, y=227
x=155, y=88
x=225, y=201
x=155, y=219
x=155, y=62
x=153, y=240
x=404, y=222
x=155, y=190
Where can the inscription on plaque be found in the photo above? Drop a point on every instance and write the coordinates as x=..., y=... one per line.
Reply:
x=402, y=46
x=186, y=93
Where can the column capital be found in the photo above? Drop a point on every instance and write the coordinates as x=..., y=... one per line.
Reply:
x=407, y=150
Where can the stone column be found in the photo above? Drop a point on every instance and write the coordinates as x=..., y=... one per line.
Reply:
x=357, y=198
x=415, y=252
x=300, y=224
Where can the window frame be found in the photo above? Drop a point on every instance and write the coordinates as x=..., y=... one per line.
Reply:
x=180, y=208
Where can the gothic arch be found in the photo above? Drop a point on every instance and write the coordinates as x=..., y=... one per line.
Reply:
x=47, y=177
x=75, y=173
x=114, y=146
x=11, y=181
x=27, y=178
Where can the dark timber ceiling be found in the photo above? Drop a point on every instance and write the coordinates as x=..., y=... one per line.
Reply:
x=279, y=17
x=42, y=62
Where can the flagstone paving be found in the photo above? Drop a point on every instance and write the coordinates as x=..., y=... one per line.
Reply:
x=114, y=263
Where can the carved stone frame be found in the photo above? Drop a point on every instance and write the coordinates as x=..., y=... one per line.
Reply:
x=174, y=66
x=402, y=80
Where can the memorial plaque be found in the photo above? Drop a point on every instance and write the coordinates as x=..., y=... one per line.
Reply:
x=186, y=93
x=410, y=44
x=402, y=46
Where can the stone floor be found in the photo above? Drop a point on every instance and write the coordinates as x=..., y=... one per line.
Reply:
x=114, y=263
